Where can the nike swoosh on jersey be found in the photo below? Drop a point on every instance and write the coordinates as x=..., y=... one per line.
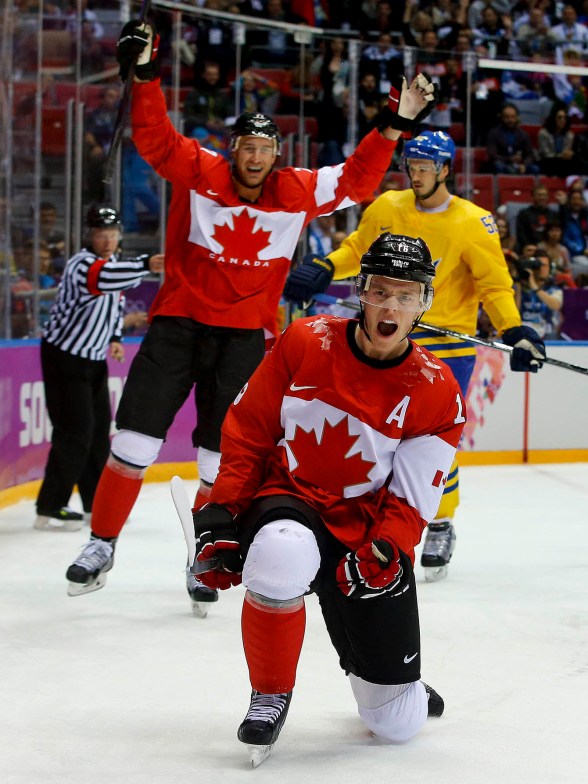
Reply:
x=296, y=388
x=212, y=193
x=385, y=228
x=408, y=659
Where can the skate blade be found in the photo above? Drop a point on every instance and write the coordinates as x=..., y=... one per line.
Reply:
x=435, y=573
x=46, y=524
x=258, y=754
x=200, y=609
x=78, y=589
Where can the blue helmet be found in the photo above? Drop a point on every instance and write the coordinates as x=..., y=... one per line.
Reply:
x=436, y=146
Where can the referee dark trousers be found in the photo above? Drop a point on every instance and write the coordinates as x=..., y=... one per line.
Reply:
x=77, y=398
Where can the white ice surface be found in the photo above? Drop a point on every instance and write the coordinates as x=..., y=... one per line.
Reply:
x=125, y=685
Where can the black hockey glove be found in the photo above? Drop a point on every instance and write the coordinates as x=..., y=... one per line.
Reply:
x=216, y=537
x=409, y=106
x=528, y=349
x=138, y=44
x=311, y=277
x=378, y=568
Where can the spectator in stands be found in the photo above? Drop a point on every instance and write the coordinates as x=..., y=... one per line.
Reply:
x=573, y=215
x=92, y=52
x=298, y=85
x=22, y=287
x=453, y=89
x=532, y=36
x=555, y=144
x=463, y=43
x=494, y=32
x=559, y=255
x=50, y=234
x=274, y=47
x=522, y=13
x=415, y=23
x=256, y=93
x=331, y=70
x=332, y=103
x=320, y=234
x=97, y=136
x=139, y=188
x=508, y=242
x=383, y=60
x=88, y=16
x=509, y=146
x=214, y=41
x=206, y=108
x=570, y=34
x=538, y=298
x=532, y=221
x=569, y=88
x=382, y=18
x=369, y=104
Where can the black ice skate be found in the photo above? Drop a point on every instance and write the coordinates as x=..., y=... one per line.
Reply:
x=436, y=706
x=438, y=549
x=88, y=572
x=64, y=519
x=262, y=724
x=200, y=594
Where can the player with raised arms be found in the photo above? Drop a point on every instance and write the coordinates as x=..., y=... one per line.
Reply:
x=232, y=231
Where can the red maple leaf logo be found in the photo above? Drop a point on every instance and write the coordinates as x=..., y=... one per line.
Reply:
x=241, y=241
x=324, y=463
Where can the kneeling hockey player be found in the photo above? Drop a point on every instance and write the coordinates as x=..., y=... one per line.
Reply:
x=334, y=458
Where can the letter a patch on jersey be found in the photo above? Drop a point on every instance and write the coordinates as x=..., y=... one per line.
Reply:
x=398, y=414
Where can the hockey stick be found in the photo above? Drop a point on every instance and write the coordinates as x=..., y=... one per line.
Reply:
x=184, y=510
x=327, y=299
x=123, y=109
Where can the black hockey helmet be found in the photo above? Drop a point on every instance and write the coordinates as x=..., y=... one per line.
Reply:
x=103, y=218
x=250, y=124
x=402, y=258
x=399, y=256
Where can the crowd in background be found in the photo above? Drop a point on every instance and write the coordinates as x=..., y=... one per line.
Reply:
x=550, y=140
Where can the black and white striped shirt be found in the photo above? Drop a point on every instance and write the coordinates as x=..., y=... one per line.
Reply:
x=88, y=310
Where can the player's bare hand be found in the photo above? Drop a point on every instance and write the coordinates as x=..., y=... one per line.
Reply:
x=416, y=97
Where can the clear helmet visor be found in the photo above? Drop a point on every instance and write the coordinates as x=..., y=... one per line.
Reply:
x=393, y=293
x=414, y=166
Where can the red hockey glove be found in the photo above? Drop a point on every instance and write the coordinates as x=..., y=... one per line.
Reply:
x=216, y=537
x=528, y=349
x=138, y=43
x=409, y=106
x=376, y=569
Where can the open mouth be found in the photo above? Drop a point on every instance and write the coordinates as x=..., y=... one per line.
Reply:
x=386, y=328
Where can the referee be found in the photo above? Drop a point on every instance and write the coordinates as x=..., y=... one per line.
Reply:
x=85, y=323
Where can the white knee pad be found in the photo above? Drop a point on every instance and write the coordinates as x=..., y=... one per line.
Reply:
x=208, y=464
x=135, y=448
x=394, y=713
x=282, y=561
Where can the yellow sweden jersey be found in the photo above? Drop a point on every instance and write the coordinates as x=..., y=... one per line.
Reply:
x=470, y=266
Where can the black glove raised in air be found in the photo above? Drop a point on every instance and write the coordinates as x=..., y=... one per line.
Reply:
x=138, y=43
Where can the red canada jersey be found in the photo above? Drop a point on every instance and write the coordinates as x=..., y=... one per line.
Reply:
x=226, y=260
x=366, y=443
